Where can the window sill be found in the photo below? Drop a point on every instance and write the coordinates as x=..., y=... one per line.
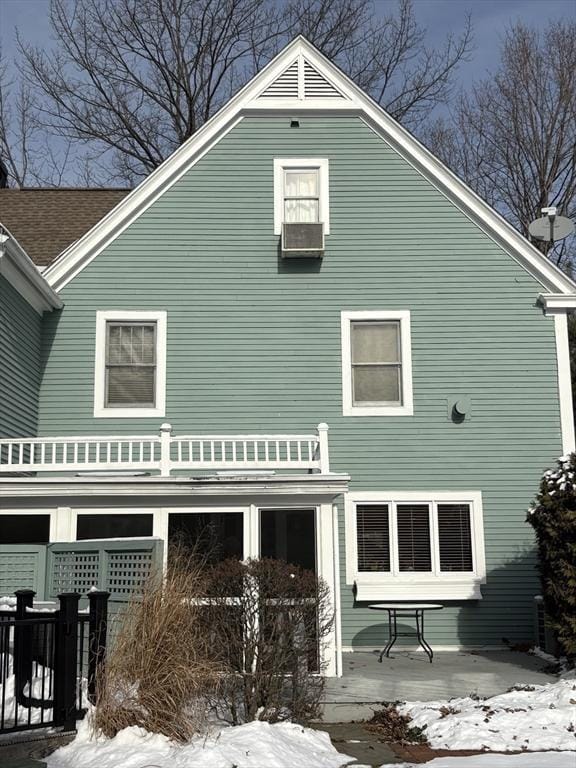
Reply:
x=427, y=589
x=378, y=410
x=127, y=413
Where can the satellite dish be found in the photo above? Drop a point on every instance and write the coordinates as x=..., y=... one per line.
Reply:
x=551, y=227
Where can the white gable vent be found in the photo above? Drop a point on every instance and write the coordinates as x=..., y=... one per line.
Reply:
x=316, y=86
x=285, y=86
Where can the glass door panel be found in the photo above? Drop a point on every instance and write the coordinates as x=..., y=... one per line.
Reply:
x=289, y=534
x=214, y=536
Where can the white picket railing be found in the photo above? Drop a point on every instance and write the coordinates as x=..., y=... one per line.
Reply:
x=166, y=452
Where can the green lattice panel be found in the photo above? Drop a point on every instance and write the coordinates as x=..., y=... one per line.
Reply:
x=22, y=566
x=127, y=571
x=74, y=571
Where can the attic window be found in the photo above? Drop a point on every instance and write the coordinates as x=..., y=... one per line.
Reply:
x=301, y=192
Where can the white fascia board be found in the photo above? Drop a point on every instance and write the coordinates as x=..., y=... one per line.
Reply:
x=564, y=382
x=245, y=102
x=300, y=487
x=80, y=254
x=21, y=272
x=558, y=302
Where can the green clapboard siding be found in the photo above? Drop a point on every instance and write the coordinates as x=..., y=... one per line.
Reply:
x=254, y=342
x=20, y=336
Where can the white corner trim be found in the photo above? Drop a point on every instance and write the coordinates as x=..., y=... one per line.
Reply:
x=557, y=302
x=72, y=261
x=419, y=586
x=105, y=316
x=21, y=272
x=280, y=165
x=564, y=382
x=407, y=407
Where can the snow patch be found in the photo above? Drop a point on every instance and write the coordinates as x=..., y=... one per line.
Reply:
x=254, y=745
x=539, y=717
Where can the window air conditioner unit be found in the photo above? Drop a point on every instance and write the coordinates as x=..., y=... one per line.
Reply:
x=302, y=239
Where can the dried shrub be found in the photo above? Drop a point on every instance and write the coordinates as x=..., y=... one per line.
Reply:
x=268, y=621
x=160, y=672
x=392, y=726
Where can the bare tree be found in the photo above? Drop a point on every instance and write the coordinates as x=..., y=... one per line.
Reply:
x=513, y=138
x=136, y=78
x=25, y=149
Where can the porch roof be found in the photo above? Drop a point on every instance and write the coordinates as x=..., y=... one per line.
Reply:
x=313, y=484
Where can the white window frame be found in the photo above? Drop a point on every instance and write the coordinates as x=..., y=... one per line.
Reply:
x=294, y=163
x=406, y=408
x=434, y=585
x=159, y=317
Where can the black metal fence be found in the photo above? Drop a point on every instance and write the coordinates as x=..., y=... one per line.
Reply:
x=49, y=660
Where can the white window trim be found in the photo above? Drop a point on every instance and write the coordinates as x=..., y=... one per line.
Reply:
x=416, y=586
x=407, y=407
x=106, y=316
x=280, y=165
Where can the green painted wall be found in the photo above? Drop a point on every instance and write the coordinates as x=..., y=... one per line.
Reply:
x=19, y=363
x=254, y=342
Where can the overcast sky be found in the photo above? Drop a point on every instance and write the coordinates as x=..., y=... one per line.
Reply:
x=490, y=19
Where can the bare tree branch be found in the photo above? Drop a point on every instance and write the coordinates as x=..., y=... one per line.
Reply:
x=133, y=79
x=513, y=138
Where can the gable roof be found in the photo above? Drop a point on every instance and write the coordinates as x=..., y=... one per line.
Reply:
x=300, y=78
x=47, y=221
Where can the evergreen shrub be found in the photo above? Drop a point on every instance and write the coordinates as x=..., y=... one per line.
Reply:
x=553, y=517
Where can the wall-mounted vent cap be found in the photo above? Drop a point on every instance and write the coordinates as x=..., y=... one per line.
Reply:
x=462, y=405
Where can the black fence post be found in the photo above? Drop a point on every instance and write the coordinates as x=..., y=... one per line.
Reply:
x=98, y=628
x=66, y=661
x=23, y=639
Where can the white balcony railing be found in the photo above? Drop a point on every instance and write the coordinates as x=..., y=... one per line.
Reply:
x=165, y=452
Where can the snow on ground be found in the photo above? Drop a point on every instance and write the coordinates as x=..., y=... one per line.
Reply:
x=255, y=745
x=40, y=688
x=534, y=760
x=541, y=717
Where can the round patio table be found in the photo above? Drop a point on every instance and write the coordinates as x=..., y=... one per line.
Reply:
x=415, y=610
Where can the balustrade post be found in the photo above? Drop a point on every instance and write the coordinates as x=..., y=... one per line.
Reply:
x=165, y=438
x=23, y=641
x=66, y=661
x=98, y=627
x=323, y=448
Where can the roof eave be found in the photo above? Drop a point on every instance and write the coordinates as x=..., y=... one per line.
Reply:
x=19, y=269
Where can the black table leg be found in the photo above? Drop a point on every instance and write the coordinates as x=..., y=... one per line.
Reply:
x=392, y=635
x=420, y=635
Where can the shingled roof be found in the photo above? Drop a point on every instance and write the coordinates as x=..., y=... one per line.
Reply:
x=46, y=221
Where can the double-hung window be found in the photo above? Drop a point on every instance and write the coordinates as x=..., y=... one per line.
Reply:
x=301, y=195
x=415, y=545
x=376, y=364
x=301, y=192
x=130, y=364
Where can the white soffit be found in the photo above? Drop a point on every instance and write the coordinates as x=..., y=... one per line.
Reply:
x=301, y=78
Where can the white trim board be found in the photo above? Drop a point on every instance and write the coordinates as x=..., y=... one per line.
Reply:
x=126, y=315
x=564, y=382
x=21, y=272
x=81, y=253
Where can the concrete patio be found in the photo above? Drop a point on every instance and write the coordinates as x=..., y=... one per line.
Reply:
x=408, y=675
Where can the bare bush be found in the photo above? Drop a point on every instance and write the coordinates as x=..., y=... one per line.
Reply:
x=268, y=622
x=160, y=672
